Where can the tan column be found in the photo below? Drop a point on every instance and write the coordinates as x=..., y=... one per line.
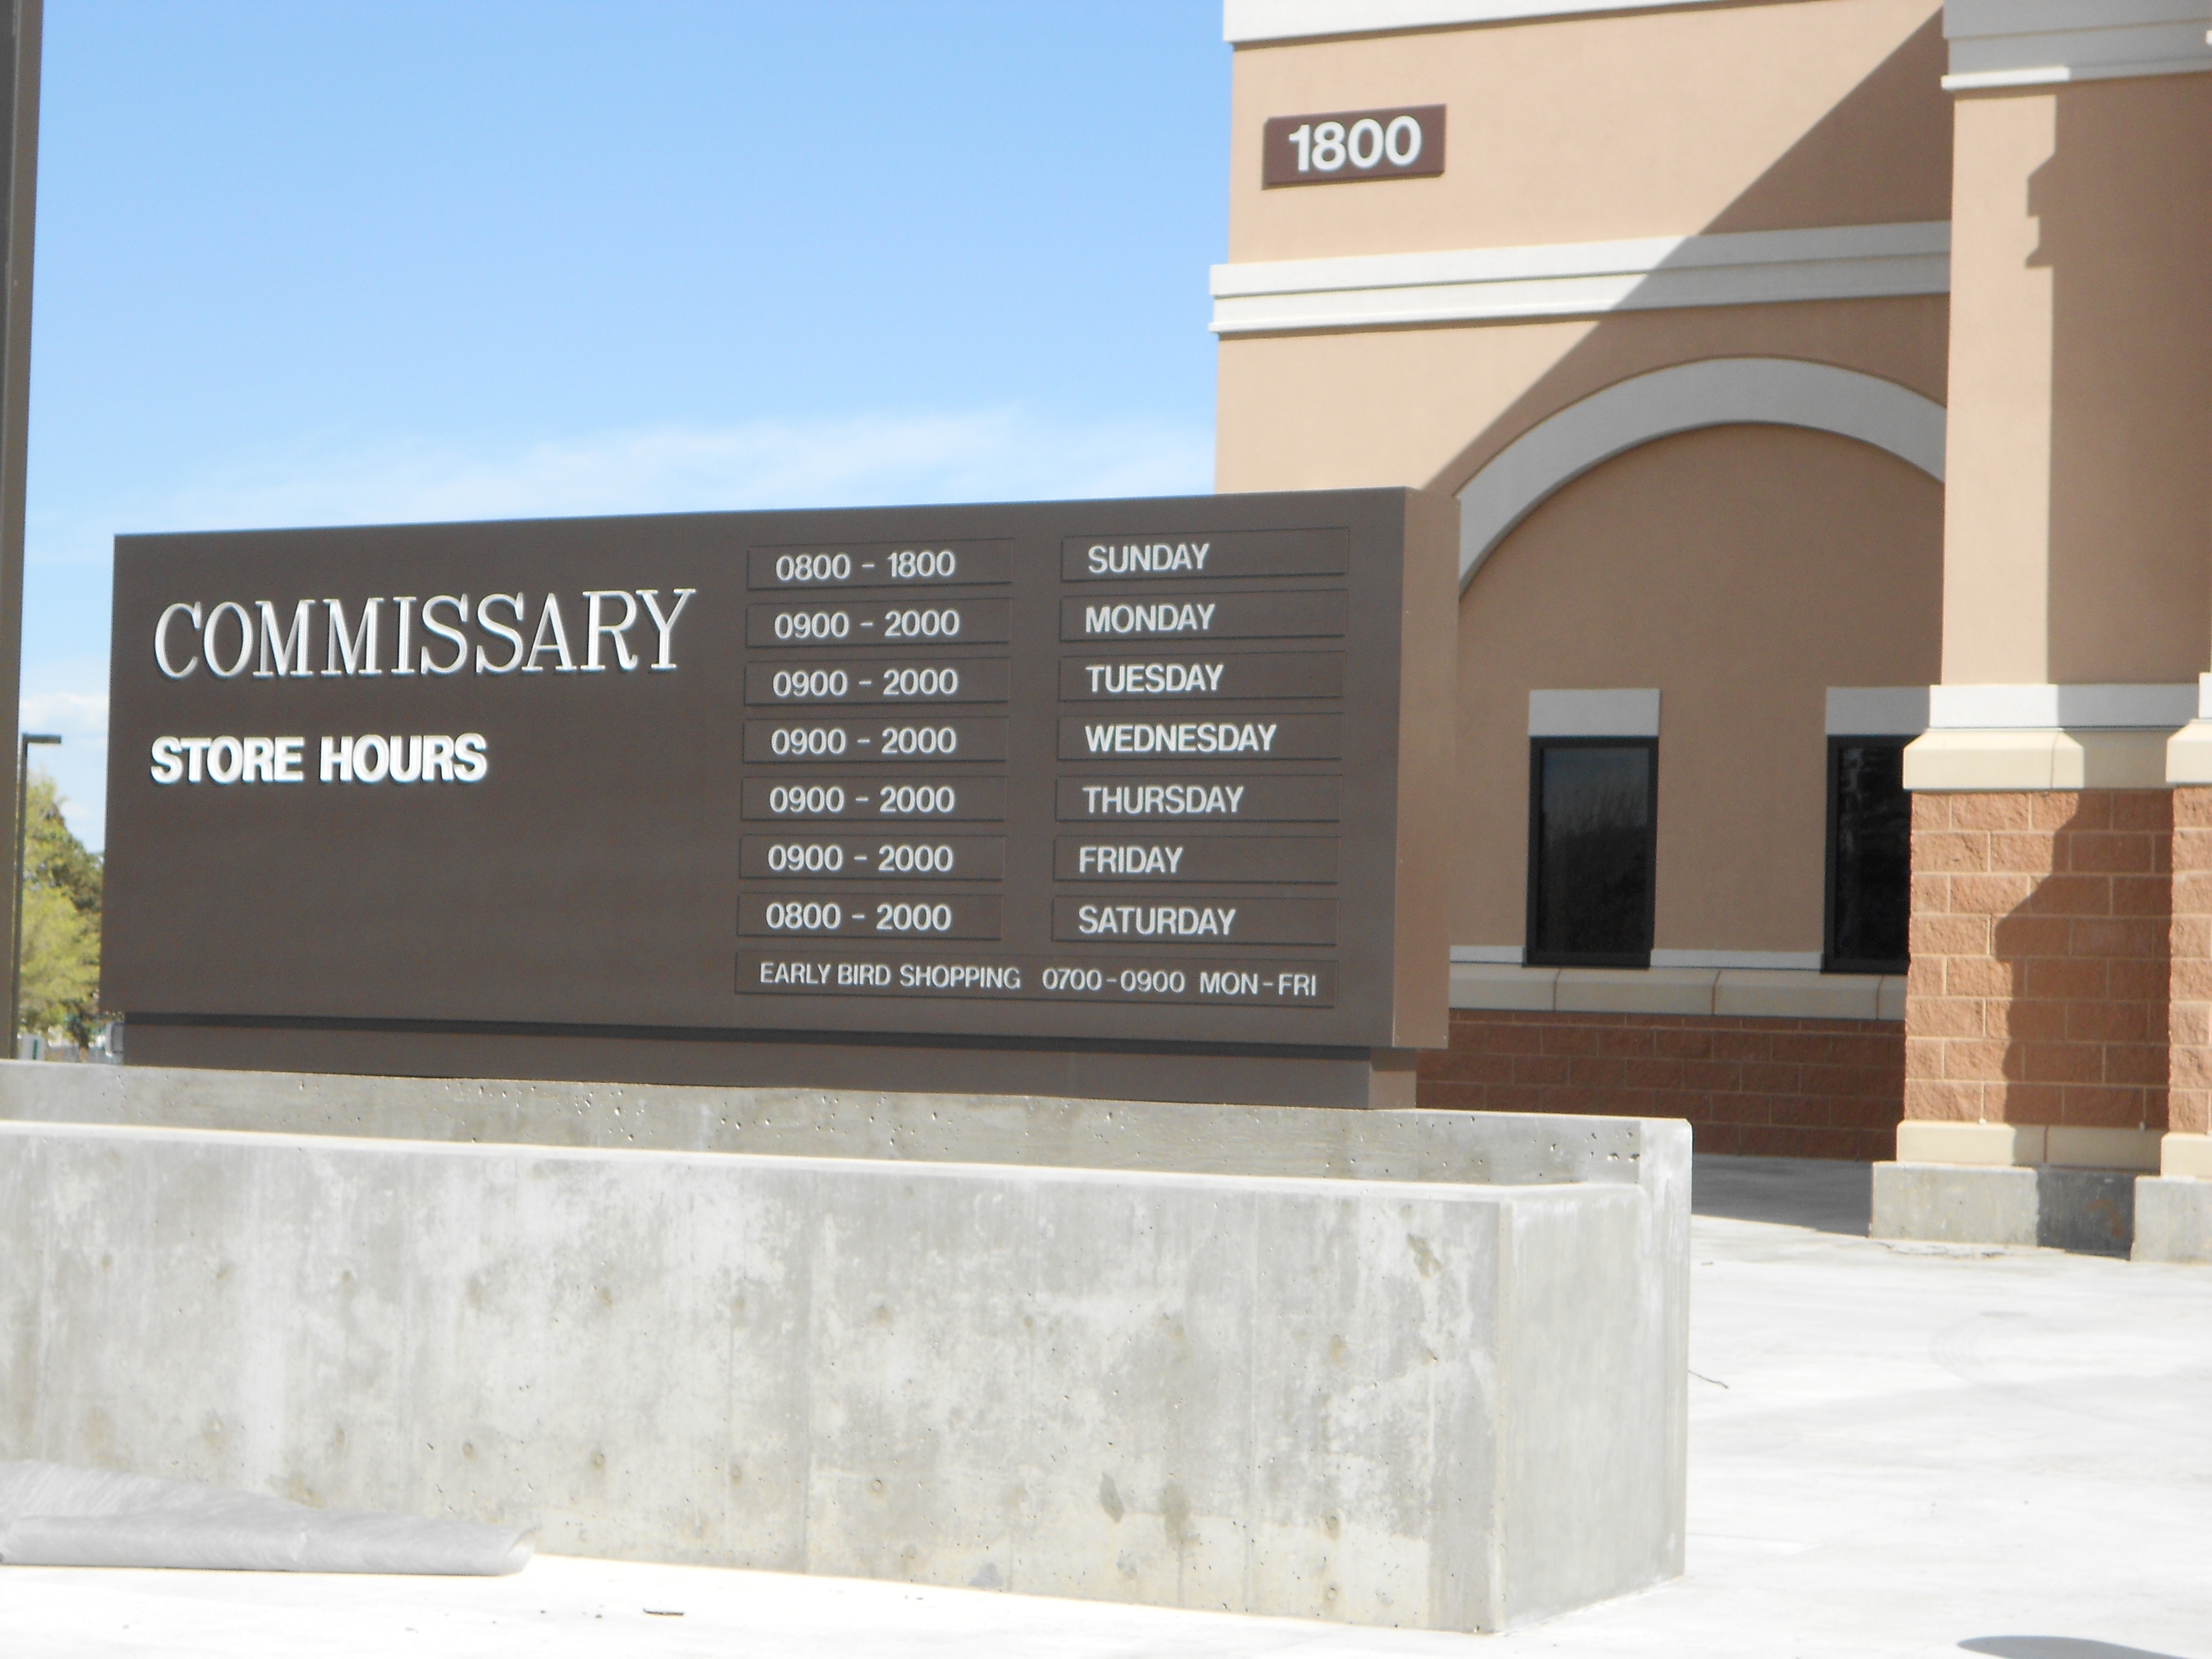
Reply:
x=2052, y=946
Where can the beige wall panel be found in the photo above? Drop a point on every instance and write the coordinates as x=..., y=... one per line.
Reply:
x=1742, y=571
x=2081, y=502
x=1997, y=445
x=1428, y=406
x=1652, y=124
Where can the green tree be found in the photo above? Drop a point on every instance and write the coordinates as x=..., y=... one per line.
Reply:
x=62, y=882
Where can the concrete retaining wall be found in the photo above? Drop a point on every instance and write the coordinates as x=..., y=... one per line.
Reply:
x=1341, y=1373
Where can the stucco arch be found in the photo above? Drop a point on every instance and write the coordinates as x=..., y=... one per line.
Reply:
x=1719, y=391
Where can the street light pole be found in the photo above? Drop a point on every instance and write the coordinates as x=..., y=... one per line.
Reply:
x=16, y=961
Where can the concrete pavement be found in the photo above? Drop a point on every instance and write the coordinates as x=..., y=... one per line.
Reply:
x=1895, y=1450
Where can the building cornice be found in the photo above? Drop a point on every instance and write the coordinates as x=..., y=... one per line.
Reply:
x=1850, y=262
x=1258, y=22
x=1998, y=44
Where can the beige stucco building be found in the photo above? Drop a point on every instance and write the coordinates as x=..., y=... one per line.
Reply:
x=1827, y=386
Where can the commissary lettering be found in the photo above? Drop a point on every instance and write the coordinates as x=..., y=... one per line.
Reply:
x=1161, y=618
x=1181, y=738
x=1142, y=679
x=1155, y=920
x=230, y=638
x=1162, y=800
x=1146, y=558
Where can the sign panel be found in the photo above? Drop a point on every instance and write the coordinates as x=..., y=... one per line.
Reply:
x=1352, y=145
x=1039, y=777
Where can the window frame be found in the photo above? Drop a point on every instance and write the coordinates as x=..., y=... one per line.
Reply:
x=1831, y=962
x=1529, y=953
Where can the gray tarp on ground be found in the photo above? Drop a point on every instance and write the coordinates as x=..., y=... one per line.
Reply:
x=53, y=1515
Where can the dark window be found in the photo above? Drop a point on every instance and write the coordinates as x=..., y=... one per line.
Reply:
x=1869, y=856
x=1592, y=849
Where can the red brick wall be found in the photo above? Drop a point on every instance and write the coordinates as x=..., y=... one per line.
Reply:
x=2039, y=980
x=1785, y=1088
x=2189, y=1028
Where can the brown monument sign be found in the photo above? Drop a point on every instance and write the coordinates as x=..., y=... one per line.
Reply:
x=1125, y=798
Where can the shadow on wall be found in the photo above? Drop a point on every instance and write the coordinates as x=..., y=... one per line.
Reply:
x=1827, y=1195
x=2083, y=948
x=1841, y=172
x=2129, y=491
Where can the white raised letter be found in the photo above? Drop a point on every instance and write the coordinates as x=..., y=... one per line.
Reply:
x=406, y=604
x=666, y=663
x=461, y=644
x=168, y=760
x=551, y=618
x=281, y=645
x=615, y=631
x=514, y=603
x=289, y=758
x=161, y=639
x=337, y=760
x=361, y=646
x=245, y=640
x=469, y=763
x=363, y=771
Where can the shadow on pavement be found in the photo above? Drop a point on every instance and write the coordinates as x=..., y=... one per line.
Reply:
x=2056, y=1647
x=1824, y=1195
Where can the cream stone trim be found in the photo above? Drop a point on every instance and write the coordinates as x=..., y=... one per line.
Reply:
x=1983, y=1146
x=1740, y=993
x=2101, y=1148
x=1869, y=711
x=1797, y=961
x=1508, y=955
x=2030, y=43
x=2051, y=737
x=1717, y=392
x=1607, y=713
x=1250, y=22
x=1582, y=279
x=2028, y=1145
x=2189, y=752
x=2185, y=1158
x=2032, y=707
x=2036, y=759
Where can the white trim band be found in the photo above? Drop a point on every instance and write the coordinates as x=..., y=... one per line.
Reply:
x=2060, y=707
x=2032, y=43
x=1877, y=711
x=1583, y=279
x=1720, y=391
x=1794, y=962
x=1731, y=993
x=1249, y=22
x=1609, y=714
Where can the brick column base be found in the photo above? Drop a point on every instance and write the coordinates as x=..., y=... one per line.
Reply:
x=2189, y=1032
x=2039, y=988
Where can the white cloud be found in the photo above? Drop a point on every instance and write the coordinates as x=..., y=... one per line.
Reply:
x=1002, y=454
x=79, y=765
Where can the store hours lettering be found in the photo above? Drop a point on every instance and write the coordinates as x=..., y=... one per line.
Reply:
x=421, y=758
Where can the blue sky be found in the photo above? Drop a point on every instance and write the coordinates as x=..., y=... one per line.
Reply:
x=349, y=262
